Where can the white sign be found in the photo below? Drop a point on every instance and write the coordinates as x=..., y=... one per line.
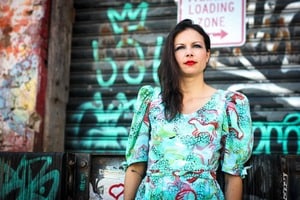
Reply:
x=223, y=20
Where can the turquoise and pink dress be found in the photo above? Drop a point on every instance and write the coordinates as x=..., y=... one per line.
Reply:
x=184, y=154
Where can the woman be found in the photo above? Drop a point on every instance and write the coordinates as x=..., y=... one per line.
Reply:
x=183, y=131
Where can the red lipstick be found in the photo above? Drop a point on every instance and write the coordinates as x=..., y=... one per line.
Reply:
x=190, y=62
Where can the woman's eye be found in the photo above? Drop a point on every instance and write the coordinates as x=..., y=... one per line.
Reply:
x=179, y=48
x=198, y=46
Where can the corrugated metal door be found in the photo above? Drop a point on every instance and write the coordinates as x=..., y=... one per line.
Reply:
x=117, y=47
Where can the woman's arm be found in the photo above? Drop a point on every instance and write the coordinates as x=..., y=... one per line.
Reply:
x=233, y=187
x=133, y=177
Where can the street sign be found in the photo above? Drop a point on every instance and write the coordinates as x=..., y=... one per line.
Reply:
x=223, y=20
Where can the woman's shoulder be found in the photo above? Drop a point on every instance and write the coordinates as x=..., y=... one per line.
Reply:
x=232, y=96
x=148, y=91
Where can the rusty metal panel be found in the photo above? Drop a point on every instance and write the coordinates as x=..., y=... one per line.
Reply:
x=33, y=175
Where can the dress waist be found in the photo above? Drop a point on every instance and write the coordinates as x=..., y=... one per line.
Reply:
x=205, y=174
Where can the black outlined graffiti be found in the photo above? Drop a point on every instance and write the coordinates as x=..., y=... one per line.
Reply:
x=33, y=178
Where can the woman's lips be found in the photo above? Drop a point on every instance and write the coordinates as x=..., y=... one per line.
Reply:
x=190, y=62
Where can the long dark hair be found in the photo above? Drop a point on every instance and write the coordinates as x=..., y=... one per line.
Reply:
x=168, y=71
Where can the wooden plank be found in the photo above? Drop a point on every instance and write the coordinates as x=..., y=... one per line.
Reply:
x=58, y=74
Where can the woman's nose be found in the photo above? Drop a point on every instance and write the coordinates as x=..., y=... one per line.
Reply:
x=189, y=52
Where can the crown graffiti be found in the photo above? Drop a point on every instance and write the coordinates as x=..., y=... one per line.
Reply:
x=128, y=14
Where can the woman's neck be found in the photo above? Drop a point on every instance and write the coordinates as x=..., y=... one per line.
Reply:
x=192, y=87
x=195, y=95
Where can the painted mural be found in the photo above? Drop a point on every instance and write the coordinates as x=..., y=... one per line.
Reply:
x=123, y=53
x=116, y=49
x=23, y=35
x=31, y=176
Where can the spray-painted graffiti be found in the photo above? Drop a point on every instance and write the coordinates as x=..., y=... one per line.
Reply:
x=140, y=64
x=286, y=134
x=239, y=62
x=21, y=56
x=128, y=14
x=110, y=185
x=33, y=178
x=260, y=68
x=107, y=179
x=108, y=115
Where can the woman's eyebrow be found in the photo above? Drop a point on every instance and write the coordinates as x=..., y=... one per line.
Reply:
x=179, y=44
x=198, y=42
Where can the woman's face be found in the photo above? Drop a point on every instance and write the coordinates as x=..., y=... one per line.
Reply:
x=190, y=52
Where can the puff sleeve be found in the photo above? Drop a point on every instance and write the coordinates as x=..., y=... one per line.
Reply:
x=237, y=134
x=138, y=139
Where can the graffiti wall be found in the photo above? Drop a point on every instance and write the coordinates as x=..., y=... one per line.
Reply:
x=23, y=44
x=117, y=48
x=33, y=176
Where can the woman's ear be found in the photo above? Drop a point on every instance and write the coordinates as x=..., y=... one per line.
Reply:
x=207, y=56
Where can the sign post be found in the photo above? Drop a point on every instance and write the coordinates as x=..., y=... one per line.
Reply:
x=223, y=20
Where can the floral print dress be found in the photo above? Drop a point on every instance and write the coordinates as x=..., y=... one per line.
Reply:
x=184, y=154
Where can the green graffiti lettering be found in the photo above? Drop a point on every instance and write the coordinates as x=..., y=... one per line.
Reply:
x=113, y=76
x=136, y=80
x=129, y=13
x=129, y=64
x=264, y=144
x=95, y=48
x=29, y=184
x=82, y=183
x=279, y=130
x=108, y=117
